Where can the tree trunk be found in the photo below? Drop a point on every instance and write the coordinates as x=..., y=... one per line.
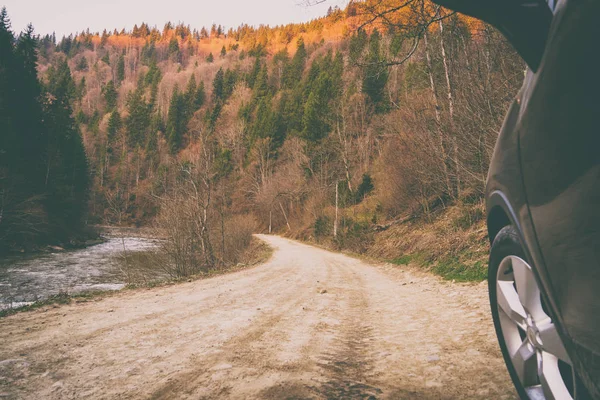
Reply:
x=285, y=216
x=335, y=224
x=450, y=111
x=438, y=117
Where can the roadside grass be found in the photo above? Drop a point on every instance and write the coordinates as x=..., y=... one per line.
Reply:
x=56, y=300
x=147, y=269
x=450, y=268
x=257, y=253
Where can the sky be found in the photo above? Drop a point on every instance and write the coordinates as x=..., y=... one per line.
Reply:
x=70, y=16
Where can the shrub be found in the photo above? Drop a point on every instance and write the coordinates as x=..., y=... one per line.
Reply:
x=322, y=227
x=236, y=238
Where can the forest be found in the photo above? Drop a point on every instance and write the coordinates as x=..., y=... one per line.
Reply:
x=341, y=131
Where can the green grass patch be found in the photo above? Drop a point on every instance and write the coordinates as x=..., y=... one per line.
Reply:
x=402, y=260
x=451, y=268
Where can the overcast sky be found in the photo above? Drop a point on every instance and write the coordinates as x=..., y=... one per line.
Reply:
x=70, y=16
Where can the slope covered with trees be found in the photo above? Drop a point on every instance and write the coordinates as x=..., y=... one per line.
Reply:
x=43, y=166
x=329, y=130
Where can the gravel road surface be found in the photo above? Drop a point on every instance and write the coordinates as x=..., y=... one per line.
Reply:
x=309, y=323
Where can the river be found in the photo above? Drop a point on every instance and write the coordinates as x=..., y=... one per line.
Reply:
x=28, y=278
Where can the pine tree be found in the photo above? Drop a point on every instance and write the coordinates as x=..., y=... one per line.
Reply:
x=110, y=96
x=203, y=33
x=60, y=80
x=190, y=97
x=120, y=69
x=200, y=96
x=357, y=45
x=261, y=86
x=104, y=39
x=174, y=53
x=176, y=120
x=293, y=73
x=67, y=173
x=251, y=78
x=375, y=75
x=82, y=64
x=138, y=121
x=81, y=89
x=223, y=52
x=114, y=126
x=229, y=81
x=27, y=110
x=317, y=110
x=219, y=86
x=210, y=58
x=7, y=92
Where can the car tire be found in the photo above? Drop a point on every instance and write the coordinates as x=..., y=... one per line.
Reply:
x=517, y=331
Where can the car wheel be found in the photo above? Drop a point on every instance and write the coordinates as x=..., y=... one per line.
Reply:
x=532, y=348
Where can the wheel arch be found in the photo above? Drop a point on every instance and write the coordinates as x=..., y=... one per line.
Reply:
x=500, y=214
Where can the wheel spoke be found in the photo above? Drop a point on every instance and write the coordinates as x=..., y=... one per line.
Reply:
x=551, y=341
x=508, y=301
x=525, y=362
x=551, y=379
x=527, y=287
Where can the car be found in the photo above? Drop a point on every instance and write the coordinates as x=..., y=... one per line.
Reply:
x=543, y=199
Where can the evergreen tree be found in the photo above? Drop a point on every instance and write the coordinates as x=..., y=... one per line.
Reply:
x=357, y=45
x=154, y=75
x=219, y=86
x=261, y=85
x=223, y=52
x=366, y=186
x=27, y=110
x=81, y=89
x=149, y=53
x=210, y=58
x=190, y=95
x=375, y=75
x=174, y=53
x=293, y=73
x=176, y=120
x=8, y=153
x=67, y=169
x=203, y=33
x=120, y=69
x=106, y=59
x=229, y=81
x=251, y=78
x=104, y=39
x=138, y=121
x=317, y=110
x=114, y=126
x=82, y=64
x=110, y=96
x=200, y=96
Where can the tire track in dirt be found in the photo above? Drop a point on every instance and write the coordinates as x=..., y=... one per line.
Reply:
x=348, y=366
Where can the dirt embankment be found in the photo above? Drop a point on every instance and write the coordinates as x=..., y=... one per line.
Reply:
x=307, y=324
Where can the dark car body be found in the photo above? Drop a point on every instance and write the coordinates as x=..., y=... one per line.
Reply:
x=544, y=177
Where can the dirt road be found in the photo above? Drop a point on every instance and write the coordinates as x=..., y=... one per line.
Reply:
x=307, y=324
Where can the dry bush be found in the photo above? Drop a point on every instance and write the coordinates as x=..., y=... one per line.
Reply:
x=183, y=247
x=142, y=268
x=198, y=236
x=236, y=238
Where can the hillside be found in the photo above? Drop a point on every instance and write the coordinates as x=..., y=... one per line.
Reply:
x=328, y=131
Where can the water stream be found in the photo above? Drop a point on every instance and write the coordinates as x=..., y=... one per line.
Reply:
x=25, y=279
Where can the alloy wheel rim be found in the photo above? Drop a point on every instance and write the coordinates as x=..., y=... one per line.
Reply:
x=536, y=351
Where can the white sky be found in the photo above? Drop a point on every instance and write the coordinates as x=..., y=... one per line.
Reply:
x=70, y=16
